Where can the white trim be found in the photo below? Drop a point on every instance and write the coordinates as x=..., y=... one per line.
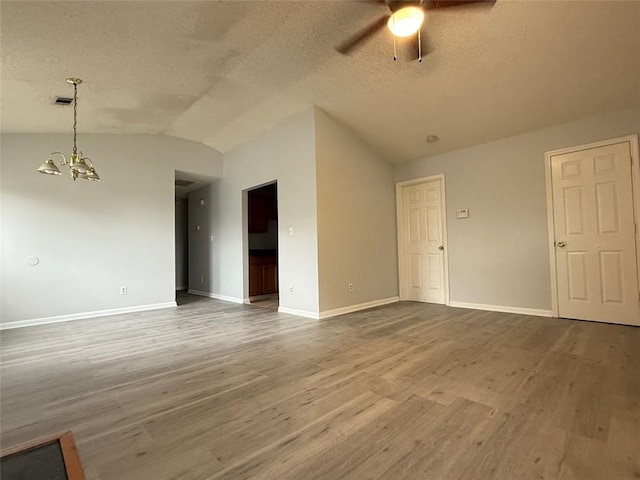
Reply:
x=551, y=236
x=399, y=234
x=218, y=297
x=360, y=306
x=445, y=241
x=502, y=308
x=85, y=315
x=299, y=313
x=635, y=186
x=632, y=140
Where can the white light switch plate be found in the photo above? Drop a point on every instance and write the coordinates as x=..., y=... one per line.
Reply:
x=462, y=213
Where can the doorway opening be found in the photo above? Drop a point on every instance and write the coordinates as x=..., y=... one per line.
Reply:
x=262, y=225
x=191, y=244
x=182, y=244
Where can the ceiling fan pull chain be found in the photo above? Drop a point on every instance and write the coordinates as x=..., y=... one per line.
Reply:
x=395, y=52
x=419, y=47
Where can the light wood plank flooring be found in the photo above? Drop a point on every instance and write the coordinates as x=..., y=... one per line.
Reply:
x=213, y=390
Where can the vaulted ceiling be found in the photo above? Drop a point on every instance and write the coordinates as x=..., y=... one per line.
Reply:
x=221, y=72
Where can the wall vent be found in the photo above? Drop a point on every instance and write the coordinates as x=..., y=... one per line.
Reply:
x=183, y=183
x=63, y=101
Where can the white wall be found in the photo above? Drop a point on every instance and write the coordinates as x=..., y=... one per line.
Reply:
x=202, y=216
x=286, y=154
x=499, y=256
x=91, y=238
x=356, y=219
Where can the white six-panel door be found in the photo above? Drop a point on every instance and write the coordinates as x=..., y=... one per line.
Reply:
x=422, y=257
x=595, y=248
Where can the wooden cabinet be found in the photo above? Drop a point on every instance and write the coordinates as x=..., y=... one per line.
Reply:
x=258, y=217
x=263, y=275
x=270, y=278
x=256, y=279
x=261, y=210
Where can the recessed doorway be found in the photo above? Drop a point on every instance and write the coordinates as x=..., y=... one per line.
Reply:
x=262, y=205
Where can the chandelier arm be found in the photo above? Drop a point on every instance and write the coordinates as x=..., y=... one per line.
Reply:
x=64, y=158
x=87, y=160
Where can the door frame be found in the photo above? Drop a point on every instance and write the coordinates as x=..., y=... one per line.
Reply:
x=632, y=140
x=246, y=298
x=400, y=234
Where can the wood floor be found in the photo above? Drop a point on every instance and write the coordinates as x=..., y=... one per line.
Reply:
x=213, y=390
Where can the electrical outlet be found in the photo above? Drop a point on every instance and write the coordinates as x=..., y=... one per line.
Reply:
x=201, y=278
x=123, y=290
x=350, y=287
x=290, y=288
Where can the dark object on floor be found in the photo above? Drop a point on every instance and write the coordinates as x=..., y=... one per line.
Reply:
x=47, y=459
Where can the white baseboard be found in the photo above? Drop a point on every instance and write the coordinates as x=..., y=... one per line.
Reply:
x=338, y=311
x=84, y=315
x=502, y=308
x=218, y=297
x=299, y=313
x=360, y=306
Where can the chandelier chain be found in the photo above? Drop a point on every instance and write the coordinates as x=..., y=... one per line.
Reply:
x=75, y=117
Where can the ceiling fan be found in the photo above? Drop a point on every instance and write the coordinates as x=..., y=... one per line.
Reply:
x=405, y=19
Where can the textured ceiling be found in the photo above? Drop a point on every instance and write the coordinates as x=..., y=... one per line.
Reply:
x=222, y=72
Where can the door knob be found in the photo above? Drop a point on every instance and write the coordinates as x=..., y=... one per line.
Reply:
x=561, y=244
x=441, y=247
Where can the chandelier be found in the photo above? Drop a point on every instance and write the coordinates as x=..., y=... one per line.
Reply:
x=79, y=166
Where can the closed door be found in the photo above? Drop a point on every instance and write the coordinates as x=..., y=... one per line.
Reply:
x=423, y=249
x=596, y=264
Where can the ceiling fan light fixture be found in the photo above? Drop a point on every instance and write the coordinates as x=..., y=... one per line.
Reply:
x=406, y=21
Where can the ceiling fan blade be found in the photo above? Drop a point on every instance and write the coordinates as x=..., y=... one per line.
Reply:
x=364, y=34
x=436, y=4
